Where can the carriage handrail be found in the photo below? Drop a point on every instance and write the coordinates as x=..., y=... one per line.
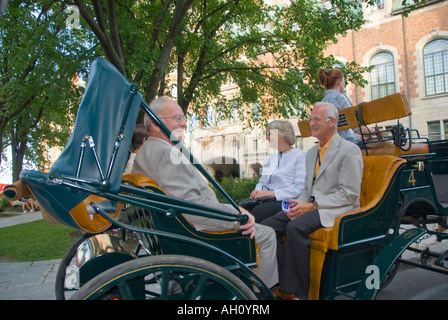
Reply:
x=152, y=200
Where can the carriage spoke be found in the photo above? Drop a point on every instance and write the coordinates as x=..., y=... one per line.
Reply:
x=199, y=287
x=164, y=290
x=125, y=291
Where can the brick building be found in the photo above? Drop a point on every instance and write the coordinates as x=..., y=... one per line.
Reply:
x=410, y=54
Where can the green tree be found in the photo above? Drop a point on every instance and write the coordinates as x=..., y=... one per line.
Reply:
x=207, y=43
x=272, y=53
x=214, y=42
x=137, y=36
x=40, y=60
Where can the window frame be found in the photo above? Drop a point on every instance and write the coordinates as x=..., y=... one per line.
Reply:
x=437, y=72
x=383, y=71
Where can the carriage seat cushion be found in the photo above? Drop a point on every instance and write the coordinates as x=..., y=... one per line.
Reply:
x=140, y=180
x=377, y=172
x=321, y=239
x=391, y=150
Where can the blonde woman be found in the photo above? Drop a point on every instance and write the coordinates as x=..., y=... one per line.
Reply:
x=283, y=175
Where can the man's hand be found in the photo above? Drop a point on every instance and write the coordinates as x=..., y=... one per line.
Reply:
x=299, y=208
x=249, y=227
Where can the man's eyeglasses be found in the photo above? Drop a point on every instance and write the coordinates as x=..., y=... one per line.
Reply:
x=317, y=120
x=178, y=118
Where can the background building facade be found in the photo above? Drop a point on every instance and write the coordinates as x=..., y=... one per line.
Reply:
x=408, y=54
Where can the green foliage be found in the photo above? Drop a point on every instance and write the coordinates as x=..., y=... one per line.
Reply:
x=237, y=188
x=4, y=203
x=35, y=241
x=40, y=60
x=270, y=52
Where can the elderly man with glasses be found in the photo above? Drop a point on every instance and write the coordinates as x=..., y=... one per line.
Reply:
x=180, y=179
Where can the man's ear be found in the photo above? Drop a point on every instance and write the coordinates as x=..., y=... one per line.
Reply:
x=155, y=131
x=153, y=128
x=334, y=122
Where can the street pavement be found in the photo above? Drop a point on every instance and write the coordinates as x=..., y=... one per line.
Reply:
x=36, y=280
x=28, y=280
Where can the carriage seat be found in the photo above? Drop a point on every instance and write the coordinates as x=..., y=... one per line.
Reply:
x=377, y=174
x=391, y=150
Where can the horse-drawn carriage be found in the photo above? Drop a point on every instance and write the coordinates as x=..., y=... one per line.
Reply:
x=87, y=190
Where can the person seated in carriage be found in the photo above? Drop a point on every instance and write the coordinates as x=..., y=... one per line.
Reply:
x=334, y=170
x=159, y=159
x=138, y=138
x=333, y=81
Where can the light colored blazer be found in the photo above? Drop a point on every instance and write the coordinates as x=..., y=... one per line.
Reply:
x=173, y=173
x=337, y=186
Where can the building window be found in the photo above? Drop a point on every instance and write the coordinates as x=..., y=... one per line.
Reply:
x=382, y=77
x=434, y=130
x=255, y=144
x=435, y=59
x=256, y=112
x=445, y=128
x=233, y=116
x=378, y=4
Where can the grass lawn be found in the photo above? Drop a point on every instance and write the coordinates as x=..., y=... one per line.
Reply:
x=34, y=241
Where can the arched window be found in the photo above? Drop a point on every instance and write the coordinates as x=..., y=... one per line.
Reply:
x=382, y=78
x=435, y=58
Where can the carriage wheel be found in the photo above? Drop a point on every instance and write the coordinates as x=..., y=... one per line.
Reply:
x=165, y=277
x=63, y=290
x=67, y=277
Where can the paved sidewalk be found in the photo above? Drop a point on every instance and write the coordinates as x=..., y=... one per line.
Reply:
x=20, y=218
x=28, y=280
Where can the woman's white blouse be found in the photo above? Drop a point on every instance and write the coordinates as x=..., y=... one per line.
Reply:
x=284, y=174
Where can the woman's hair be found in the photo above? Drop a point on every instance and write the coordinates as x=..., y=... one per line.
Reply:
x=285, y=129
x=328, y=78
x=139, y=136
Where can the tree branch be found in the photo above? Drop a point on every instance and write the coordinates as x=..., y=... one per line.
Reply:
x=100, y=31
x=181, y=9
x=115, y=36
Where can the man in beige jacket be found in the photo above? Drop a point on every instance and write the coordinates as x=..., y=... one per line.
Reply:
x=159, y=159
